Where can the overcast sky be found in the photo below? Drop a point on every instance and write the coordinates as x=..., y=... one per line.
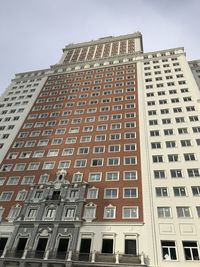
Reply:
x=33, y=32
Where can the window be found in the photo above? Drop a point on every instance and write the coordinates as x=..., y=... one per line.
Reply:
x=19, y=167
x=183, y=212
x=185, y=143
x=98, y=149
x=95, y=177
x=129, y=147
x=168, y=250
x=179, y=191
x=109, y=212
x=112, y=176
x=155, y=145
x=154, y=133
x=65, y=164
x=48, y=165
x=77, y=177
x=130, y=175
x=13, y=180
x=162, y=192
x=168, y=132
x=85, y=139
x=130, y=192
x=67, y=151
x=130, y=212
x=113, y=161
x=170, y=144
x=6, y=196
x=176, y=173
x=33, y=166
x=50, y=213
x=31, y=214
x=182, y=130
x=191, y=250
x=69, y=213
x=195, y=190
x=52, y=153
x=173, y=157
x=21, y=195
x=157, y=158
x=110, y=193
x=100, y=138
x=80, y=163
x=193, y=172
x=71, y=140
x=97, y=162
x=159, y=174
x=164, y=212
x=27, y=180
x=38, y=154
x=92, y=193
x=14, y=212
x=189, y=157
x=130, y=160
x=83, y=150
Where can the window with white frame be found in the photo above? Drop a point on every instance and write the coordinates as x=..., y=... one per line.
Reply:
x=19, y=167
x=130, y=175
x=183, y=212
x=31, y=214
x=43, y=179
x=112, y=176
x=130, y=192
x=28, y=180
x=13, y=180
x=164, y=212
x=168, y=250
x=33, y=166
x=38, y=154
x=130, y=212
x=6, y=196
x=48, y=165
x=83, y=150
x=21, y=195
x=50, y=213
x=113, y=161
x=94, y=177
x=92, y=193
x=14, y=212
x=162, y=192
x=109, y=212
x=64, y=164
x=68, y=151
x=191, y=250
x=130, y=160
x=110, y=193
x=80, y=163
x=69, y=213
x=77, y=177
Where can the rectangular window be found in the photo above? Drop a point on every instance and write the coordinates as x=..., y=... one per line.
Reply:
x=130, y=192
x=169, y=250
x=176, y=173
x=164, y=212
x=191, y=250
x=111, y=193
x=109, y=212
x=130, y=212
x=6, y=196
x=112, y=176
x=162, y=192
x=179, y=191
x=94, y=177
x=193, y=172
x=159, y=174
x=183, y=212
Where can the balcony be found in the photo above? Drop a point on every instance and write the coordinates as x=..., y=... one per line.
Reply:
x=74, y=259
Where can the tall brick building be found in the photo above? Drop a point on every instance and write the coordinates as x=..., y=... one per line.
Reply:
x=102, y=168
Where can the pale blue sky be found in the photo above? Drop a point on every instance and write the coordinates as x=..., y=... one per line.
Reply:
x=33, y=32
